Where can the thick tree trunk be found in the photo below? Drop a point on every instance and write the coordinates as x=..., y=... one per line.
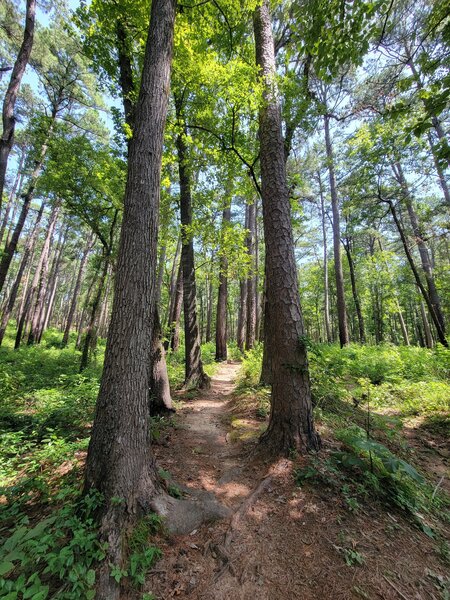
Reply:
x=340, y=291
x=222, y=296
x=174, y=316
x=250, y=337
x=34, y=334
x=160, y=397
x=27, y=254
x=195, y=377
x=9, y=121
x=291, y=420
x=120, y=463
x=76, y=290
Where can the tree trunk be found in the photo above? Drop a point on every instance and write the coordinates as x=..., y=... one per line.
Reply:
x=27, y=198
x=362, y=333
x=9, y=121
x=17, y=186
x=250, y=337
x=242, y=315
x=340, y=292
x=76, y=290
x=209, y=311
x=160, y=397
x=33, y=336
x=291, y=420
x=120, y=463
x=194, y=374
x=222, y=296
x=326, y=297
x=440, y=332
x=423, y=249
x=426, y=326
x=27, y=254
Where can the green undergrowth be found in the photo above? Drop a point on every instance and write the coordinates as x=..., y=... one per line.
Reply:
x=175, y=363
x=364, y=397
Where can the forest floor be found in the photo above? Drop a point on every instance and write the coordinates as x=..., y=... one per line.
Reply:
x=285, y=540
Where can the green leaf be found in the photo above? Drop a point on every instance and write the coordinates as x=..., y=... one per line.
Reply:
x=6, y=567
x=90, y=577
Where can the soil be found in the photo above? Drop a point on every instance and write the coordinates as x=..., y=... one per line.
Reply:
x=280, y=541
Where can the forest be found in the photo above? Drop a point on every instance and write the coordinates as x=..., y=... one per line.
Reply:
x=225, y=299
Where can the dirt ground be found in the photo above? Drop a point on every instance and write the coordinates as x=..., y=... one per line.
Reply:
x=282, y=542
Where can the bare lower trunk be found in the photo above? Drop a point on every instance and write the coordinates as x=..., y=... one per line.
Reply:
x=426, y=326
x=291, y=421
x=160, y=397
x=76, y=291
x=209, y=311
x=195, y=377
x=174, y=321
x=222, y=296
x=120, y=463
x=250, y=337
x=362, y=333
x=339, y=275
x=35, y=315
x=242, y=315
x=326, y=296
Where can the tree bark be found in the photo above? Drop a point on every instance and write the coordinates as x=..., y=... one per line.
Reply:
x=339, y=275
x=9, y=121
x=250, y=337
x=195, y=377
x=326, y=295
x=242, y=315
x=120, y=462
x=176, y=313
x=17, y=185
x=362, y=333
x=222, y=296
x=291, y=420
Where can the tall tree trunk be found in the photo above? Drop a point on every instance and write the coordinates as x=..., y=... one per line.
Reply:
x=27, y=254
x=176, y=313
x=76, y=290
x=17, y=186
x=340, y=291
x=437, y=324
x=426, y=326
x=291, y=420
x=242, y=315
x=250, y=337
x=209, y=311
x=33, y=336
x=222, y=296
x=195, y=377
x=173, y=286
x=27, y=198
x=120, y=463
x=9, y=120
x=422, y=246
x=362, y=333
x=52, y=285
x=326, y=296
x=160, y=397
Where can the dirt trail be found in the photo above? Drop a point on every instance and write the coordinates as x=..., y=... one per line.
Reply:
x=281, y=542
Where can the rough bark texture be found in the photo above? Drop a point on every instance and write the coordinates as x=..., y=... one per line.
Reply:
x=9, y=121
x=176, y=313
x=291, y=421
x=160, y=397
x=120, y=463
x=194, y=374
x=339, y=275
x=222, y=296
